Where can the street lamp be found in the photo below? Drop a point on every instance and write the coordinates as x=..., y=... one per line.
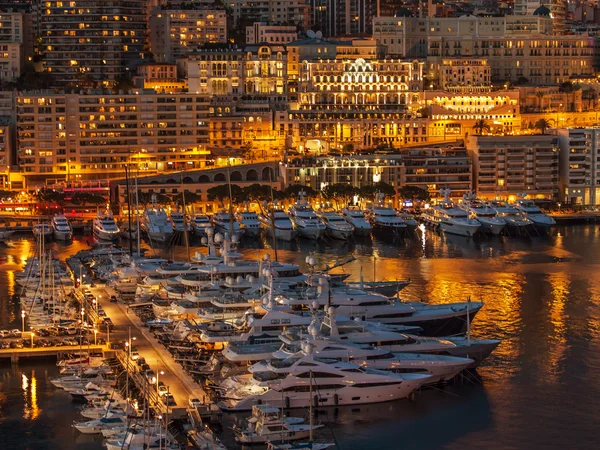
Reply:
x=107, y=335
x=95, y=337
x=32, y=334
x=22, y=321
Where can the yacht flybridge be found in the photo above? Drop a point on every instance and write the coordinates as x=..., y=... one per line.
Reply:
x=276, y=221
x=155, y=223
x=104, y=227
x=356, y=217
x=62, y=229
x=486, y=216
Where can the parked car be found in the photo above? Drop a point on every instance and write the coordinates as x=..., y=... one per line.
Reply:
x=141, y=361
x=113, y=299
x=4, y=333
x=170, y=400
x=194, y=402
x=144, y=367
x=15, y=333
x=149, y=373
x=43, y=332
x=135, y=355
x=4, y=344
x=162, y=389
x=101, y=312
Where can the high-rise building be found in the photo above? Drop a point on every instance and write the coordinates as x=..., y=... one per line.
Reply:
x=510, y=166
x=343, y=17
x=90, y=42
x=579, y=166
x=556, y=9
x=12, y=56
x=175, y=31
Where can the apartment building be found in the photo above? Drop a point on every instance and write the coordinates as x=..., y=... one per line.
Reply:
x=158, y=76
x=555, y=9
x=177, y=31
x=343, y=17
x=358, y=103
x=274, y=12
x=12, y=55
x=510, y=166
x=430, y=169
x=216, y=71
x=463, y=74
x=90, y=42
x=95, y=134
x=579, y=166
x=262, y=33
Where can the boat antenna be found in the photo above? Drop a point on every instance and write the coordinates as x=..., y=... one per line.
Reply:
x=230, y=200
x=311, y=407
x=128, y=209
x=273, y=216
x=137, y=213
x=185, y=225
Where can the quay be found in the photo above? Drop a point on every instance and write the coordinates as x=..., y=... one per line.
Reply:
x=16, y=354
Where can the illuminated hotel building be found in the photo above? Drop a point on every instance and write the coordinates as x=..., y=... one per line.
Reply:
x=579, y=166
x=428, y=168
x=507, y=166
x=94, y=135
x=87, y=41
x=176, y=31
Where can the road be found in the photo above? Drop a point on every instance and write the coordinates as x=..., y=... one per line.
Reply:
x=156, y=355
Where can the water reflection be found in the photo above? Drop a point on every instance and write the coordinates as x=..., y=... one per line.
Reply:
x=31, y=410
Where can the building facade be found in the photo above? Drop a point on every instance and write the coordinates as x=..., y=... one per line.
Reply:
x=262, y=33
x=579, y=166
x=512, y=166
x=94, y=135
x=12, y=55
x=175, y=32
x=90, y=42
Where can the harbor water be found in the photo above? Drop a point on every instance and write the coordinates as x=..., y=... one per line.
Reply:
x=539, y=389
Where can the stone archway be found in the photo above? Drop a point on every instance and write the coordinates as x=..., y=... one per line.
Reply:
x=252, y=175
x=220, y=177
x=235, y=176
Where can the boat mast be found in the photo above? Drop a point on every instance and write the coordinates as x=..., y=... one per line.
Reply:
x=230, y=202
x=185, y=225
x=469, y=321
x=137, y=213
x=311, y=408
x=273, y=218
x=128, y=210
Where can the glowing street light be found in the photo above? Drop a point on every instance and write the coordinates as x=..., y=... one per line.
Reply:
x=22, y=321
x=95, y=337
x=32, y=334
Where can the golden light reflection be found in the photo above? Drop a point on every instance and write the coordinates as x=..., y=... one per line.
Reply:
x=31, y=409
x=560, y=284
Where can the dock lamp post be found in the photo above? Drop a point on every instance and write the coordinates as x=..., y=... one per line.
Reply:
x=22, y=321
x=95, y=337
x=32, y=334
x=81, y=333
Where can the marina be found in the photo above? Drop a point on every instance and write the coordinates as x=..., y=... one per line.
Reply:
x=170, y=338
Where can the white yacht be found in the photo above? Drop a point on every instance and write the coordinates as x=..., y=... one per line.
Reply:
x=335, y=225
x=268, y=424
x=486, y=216
x=305, y=220
x=156, y=224
x=104, y=227
x=42, y=231
x=409, y=219
x=384, y=218
x=356, y=217
x=63, y=231
x=541, y=221
x=450, y=218
x=96, y=426
x=288, y=384
x=225, y=223
x=249, y=222
x=200, y=222
x=178, y=221
x=281, y=225
x=512, y=217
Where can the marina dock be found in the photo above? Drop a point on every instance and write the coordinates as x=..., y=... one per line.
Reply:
x=16, y=354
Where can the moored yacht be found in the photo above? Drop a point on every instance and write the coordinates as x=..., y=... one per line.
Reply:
x=512, y=217
x=42, y=231
x=104, y=227
x=276, y=220
x=156, y=224
x=542, y=222
x=62, y=229
x=249, y=222
x=384, y=218
x=200, y=222
x=356, y=217
x=178, y=221
x=305, y=220
x=335, y=225
x=226, y=223
x=450, y=218
x=485, y=215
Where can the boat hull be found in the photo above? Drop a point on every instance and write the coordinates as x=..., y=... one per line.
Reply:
x=63, y=235
x=493, y=228
x=336, y=233
x=459, y=229
x=105, y=235
x=311, y=233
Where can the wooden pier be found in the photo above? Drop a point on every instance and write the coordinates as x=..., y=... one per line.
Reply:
x=16, y=354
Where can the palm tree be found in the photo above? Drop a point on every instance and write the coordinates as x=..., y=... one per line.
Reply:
x=543, y=125
x=540, y=96
x=480, y=126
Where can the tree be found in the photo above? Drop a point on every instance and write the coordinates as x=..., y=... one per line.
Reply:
x=87, y=198
x=292, y=191
x=540, y=96
x=543, y=125
x=368, y=192
x=221, y=194
x=50, y=196
x=145, y=198
x=340, y=193
x=190, y=197
x=248, y=150
x=414, y=193
x=480, y=126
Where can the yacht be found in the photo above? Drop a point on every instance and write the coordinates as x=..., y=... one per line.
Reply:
x=178, y=222
x=512, y=217
x=356, y=217
x=96, y=426
x=486, y=216
x=42, y=230
x=249, y=222
x=281, y=225
x=450, y=218
x=542, y=222
x=156, y=224
x=335, y=225
x=62, y=229
x=409, y=219
x=305, y=220
x=200, y=222
x=289, y=383
x=128, y=233
x=267, y=423
x=104, y=227
x=384, y=218
x=225, y=223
